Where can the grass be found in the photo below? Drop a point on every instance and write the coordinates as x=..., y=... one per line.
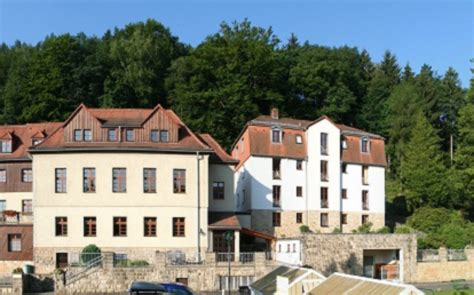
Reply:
x=451, y=292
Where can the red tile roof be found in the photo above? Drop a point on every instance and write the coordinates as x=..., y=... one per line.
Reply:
x=220, y=156
x=353, y=154
x=223, y=220
x=22, y=138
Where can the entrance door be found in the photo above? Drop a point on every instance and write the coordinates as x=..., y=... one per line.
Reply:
x=220, y=246
x=61, y=260
x=369, y=266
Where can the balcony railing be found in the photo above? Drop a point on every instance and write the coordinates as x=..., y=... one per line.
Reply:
x=324, y=203
x=427, y=255
x=13, y=217
x=180, y=258
x=456, y=255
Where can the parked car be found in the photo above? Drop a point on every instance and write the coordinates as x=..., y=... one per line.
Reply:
x=179, y=289
x=139, y=287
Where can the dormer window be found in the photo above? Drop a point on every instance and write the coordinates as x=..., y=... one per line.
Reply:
x=276, y=135
x=164, y=135
x=344, y=144
x=365, y=144
x=35, y=141
x=77, y=135
x=129, y=135
x=87, y=135
x=299, y=139
x=6, y=146
x=112, y=135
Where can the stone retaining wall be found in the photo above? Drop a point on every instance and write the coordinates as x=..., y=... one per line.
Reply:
x=202, y=278
x=444, y=270
x=330, y=253
x=7, y=266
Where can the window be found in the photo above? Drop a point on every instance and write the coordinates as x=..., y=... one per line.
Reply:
x=149, y=180
x=3, y=205
x=88, y=176
x=149, y=224
x=164, y=135
x=27, y=207
x=60, y=180
x=276, y=219
x=87, y=135
x=90, y=227
x=112, y=135
x=299, y=139
x=344, y=144
x=344, y=168
x=365, y=175
x=365, y=200
x=62, y=260
x=299, y=191
x=178, y=226
x=218, y=190
x=120, y=226
x=61, y=226
x=276, y=168
x=14, y=243
x=119, y=178
x=3, y=175
x=6, y=146
x=324, y=197
x=324, y=171
x=179, y=181
x=154, y=135
x=324, y=143
x=276, y=195
x=182, y=281
x=299, y=217
x=129, y=135
x=276, y=135
x=365, y=219
x=35, y=141
x=324, y=220
x=364, y=144
x=279, y=248
x=343, y=218
x=77, y=135
x=294, y=247
x=344, y=193
x=288, y=248
x=299, y=165
x=26, y=175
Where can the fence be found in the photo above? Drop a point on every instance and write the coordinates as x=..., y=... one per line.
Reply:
x=180, y=258
x=456, y=255
x=84, y=259
x=427, y=255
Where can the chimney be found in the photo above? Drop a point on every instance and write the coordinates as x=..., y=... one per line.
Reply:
x=274, y=113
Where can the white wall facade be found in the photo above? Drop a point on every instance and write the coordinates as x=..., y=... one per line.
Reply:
x=289, y=252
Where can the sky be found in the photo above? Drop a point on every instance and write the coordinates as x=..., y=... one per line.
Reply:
x=436, y=32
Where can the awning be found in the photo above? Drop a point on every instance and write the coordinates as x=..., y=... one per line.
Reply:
x=257, y=234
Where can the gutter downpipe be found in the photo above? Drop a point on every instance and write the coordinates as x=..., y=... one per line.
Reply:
x=198, y=206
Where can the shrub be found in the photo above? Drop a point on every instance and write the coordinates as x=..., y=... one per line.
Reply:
x=428, y=219
x=304, y=229
x=17, y=270
x=383, y=230
x=364, y=228
x=131, y=263
x=403, y=229
x=336, y=230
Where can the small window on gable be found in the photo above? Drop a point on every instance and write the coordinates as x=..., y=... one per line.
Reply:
x=154, y=135
x=3, y=175
x=299, y=139
x=344, y=144
x=6, y=146
x=35, y=141
x=112, y=135
x=276, y=135
x=164, y=135
x=365, y=144
x=87, y=135
x=129, y=135
x=77, y=135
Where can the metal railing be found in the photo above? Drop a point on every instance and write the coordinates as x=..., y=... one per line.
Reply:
x=269, y=255
x=390, y=272
x=247, y=257
x=225, y=257
x=180, y=258
x=89, y=262
x=427, y=255
x=456, y=255
x=83, y=259
x=15, y=217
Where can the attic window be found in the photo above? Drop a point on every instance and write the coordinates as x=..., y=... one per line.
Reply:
x=87, y=135
x=154, y=135
x=164, y=135
x=6, y=146
x=35, y=141
x=365, y=144
x=276, y=135
x=129, y=136
x=112, y=135
x=77, y=135
x=299, y=139
x=344, y=144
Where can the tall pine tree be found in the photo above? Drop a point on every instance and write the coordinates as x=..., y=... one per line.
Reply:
x=422, y=170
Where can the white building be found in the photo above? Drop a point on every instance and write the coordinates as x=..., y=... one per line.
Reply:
x=315, y=173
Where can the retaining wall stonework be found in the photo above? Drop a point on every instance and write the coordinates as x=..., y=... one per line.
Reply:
x=203, y=278
x=330, y=253
x=444, y=270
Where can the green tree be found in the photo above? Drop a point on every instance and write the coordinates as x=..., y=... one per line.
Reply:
x=408, y=75
x=422, y=170
x=233, y=75
x=428, y=88
x=464, y=160
x=140, y=56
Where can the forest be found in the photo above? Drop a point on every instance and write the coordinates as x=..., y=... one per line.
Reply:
x=240, y=72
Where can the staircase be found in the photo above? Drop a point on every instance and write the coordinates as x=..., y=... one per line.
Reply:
x=74, y=274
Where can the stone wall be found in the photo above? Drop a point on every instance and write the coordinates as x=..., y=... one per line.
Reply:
x=7, y=266
x=202, y=278
x=329, y=253
x=444, y=270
